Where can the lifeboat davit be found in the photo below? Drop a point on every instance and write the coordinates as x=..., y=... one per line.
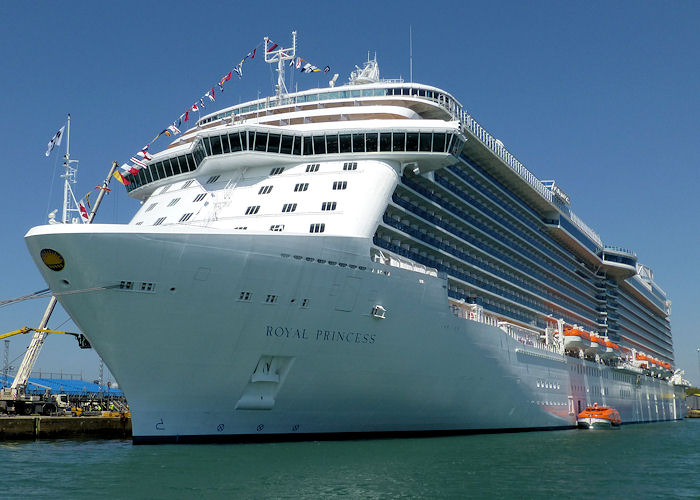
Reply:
x=576, y=339
x=598, y=417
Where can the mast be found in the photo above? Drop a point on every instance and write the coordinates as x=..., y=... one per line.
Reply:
x=280, y=55
x=69, y=177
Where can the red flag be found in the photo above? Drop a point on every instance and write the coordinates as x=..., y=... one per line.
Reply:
x=194, y=107
x=252, y=56
x=187, y=115
x=228, y=77
x=273, y=47
x=83, y=211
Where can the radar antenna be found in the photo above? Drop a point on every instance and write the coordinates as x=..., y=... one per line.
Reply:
x=273, y=54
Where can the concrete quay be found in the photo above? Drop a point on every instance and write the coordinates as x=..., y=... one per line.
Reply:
x=41, y=427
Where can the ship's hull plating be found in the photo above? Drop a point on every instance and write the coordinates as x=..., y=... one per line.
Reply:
x=302, y=354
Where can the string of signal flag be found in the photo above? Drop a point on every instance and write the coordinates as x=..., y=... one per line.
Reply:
x=138, y=161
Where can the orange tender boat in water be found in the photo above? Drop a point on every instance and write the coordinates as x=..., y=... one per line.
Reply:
x=598, y=417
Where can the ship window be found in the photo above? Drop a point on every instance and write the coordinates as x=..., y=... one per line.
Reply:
x=317, y=228
x=252, y=210
x=276, y=170
x=225, y=146
x=332, y=144
x=260, y=141
x=235, y=140
x=340, y=185
x=277, y=227
x=186, y=217
x=297, y=146
x=187, y=184
x=141, y=177
x=313, y=167
x=245, y=296
x=345, y=143
x=168, y=164
x=450, y=138
x=273, y=143
x=271, y=299
x=289, y=207
x=320, y=144
x=244, y=140
x=159, y=170
x=215, y=145
x=151, y=207
x=207, y=145
x=301, y=187
x=439, y=143
x=371, y=142
x=199, y=197
x=175, y=165
x=351, y=165
x=412, y=141
x=425, y=141
x=265, y=190
x=399, y=141
x=305, y=303
x=308, y=146
x=213, y=179
x=198, y=153
x=286, y=147
x=159, y=221
x=385, y=141
x=173, y=202
x=358, y=143
x=328, y=205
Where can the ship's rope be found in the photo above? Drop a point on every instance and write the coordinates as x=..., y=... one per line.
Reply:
x=46, y=292
x=39, y=294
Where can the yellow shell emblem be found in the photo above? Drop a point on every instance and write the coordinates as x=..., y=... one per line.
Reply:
x=53, y=259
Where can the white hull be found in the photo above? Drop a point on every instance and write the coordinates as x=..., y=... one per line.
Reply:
x=185, y=353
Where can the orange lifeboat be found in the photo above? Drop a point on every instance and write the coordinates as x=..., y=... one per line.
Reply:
x=612, y=350
x=598, y=417
x=597, y=345
x=576, y=339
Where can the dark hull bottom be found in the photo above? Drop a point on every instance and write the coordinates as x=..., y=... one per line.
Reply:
x=331, y=436
x=344, y=436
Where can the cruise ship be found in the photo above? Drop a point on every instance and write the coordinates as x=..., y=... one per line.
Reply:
x=354, y=261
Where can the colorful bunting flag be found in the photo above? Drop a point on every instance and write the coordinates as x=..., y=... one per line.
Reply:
x=326, y=69
x=173, y=129
x=138, y=162
x=129, y=169
x=121, y=179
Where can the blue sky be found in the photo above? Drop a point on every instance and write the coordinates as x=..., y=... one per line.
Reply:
x=601, y=96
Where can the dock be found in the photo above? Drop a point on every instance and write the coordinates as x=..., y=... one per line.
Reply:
x=43, y=427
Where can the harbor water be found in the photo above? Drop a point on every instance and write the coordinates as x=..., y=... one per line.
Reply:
x=658, y=460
